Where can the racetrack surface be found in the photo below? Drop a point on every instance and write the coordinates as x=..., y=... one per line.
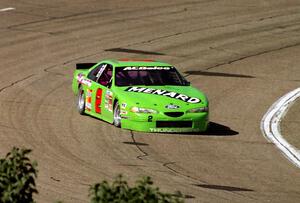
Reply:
x=244, y=55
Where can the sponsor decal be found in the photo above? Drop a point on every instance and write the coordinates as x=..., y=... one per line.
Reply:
x=123, y=105
x=170, y=130
x=165, y=93
x=108, y=100
x=161, y=130
x=123, y=112
x=148, y=68
x=82, y=80
x=101, y=70
x=172, y=106
x=88, y=100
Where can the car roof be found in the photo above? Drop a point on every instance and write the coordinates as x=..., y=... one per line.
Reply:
x=134, y=62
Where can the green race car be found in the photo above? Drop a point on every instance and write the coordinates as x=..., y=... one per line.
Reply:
x=141, y=95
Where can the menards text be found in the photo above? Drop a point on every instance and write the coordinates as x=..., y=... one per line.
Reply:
x=166, y=93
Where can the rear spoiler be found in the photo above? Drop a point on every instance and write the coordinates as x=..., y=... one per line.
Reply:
x=84, y=65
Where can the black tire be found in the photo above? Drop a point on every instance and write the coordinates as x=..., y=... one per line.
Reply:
x=81, y=101
x=117, y=115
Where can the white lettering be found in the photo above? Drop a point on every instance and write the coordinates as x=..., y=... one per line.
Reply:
x=147, y=68
x=148, y=90
x=136, y=89
x=159, y=92
x=193, y=100
x=175, y=95
x=170, y=94
x=182, y=97
x=128, y=68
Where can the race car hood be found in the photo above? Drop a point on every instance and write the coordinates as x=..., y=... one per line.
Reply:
x=170, y=97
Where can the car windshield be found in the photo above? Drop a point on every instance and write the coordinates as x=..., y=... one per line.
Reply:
x=148, y=75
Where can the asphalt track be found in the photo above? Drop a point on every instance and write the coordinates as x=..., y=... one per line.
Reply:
x=243, y=54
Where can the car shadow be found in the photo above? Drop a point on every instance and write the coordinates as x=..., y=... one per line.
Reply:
x=216, y=129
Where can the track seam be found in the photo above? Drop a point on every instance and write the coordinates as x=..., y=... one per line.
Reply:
x=138, y=147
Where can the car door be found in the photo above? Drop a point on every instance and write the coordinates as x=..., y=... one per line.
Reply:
x=102, y=95
x=94, y=91
x=92, y=88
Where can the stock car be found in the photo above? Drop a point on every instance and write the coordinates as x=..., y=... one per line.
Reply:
x=140, y=95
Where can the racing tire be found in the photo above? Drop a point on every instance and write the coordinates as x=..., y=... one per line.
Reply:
x=117, y=115
x=81, y=101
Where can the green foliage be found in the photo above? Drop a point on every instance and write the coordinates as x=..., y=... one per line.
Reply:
x=17, y=185
x=17, y=177
x=119, y=191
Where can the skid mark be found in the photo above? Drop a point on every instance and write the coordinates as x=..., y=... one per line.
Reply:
x=15, y=82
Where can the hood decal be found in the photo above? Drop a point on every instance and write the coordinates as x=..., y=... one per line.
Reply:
x=172, y=106
x=148, y=68
x=165, y=93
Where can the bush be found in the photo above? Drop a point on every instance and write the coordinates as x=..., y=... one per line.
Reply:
x=119, y=191
x=17, y=177
x=17, y=185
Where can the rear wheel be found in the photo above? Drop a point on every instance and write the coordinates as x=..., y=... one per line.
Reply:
x=81, y=101
x=117, y=115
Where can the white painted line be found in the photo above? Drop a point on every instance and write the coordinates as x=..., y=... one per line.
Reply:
x=7, y=9
x=270, y=126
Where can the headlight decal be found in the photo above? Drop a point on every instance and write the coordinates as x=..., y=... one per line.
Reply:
x=198, y=110
x=143, y=110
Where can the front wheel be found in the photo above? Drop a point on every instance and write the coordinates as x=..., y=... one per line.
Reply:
x=81, y=101
x=117, y=115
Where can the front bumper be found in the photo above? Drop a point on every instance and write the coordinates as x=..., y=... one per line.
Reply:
x=189, y=122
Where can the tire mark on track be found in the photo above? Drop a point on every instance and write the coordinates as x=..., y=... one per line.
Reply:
x=167, y=166
x=56, y=18
x=6, y=126
x=253, y=55
x=16, y=82
x=209, y=28
x=49, y=19
x=48, y=69
x=246, y=57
